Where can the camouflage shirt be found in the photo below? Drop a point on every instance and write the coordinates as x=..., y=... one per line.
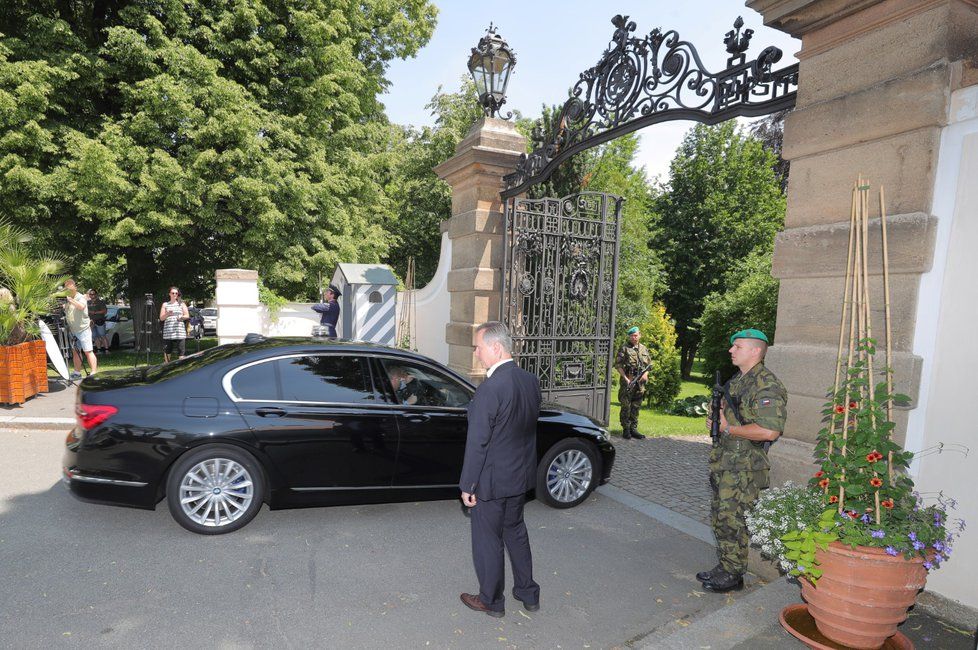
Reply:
x=632, y=358
x=762, y=401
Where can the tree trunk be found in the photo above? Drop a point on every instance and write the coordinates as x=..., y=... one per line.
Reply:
x=143, y=280
x=688, y=356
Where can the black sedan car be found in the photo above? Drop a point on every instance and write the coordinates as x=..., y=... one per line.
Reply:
x=297, y=422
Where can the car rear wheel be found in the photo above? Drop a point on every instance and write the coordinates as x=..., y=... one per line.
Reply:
x=568, y=473
x=214, y=490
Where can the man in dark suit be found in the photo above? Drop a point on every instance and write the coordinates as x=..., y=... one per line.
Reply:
x=499, y=469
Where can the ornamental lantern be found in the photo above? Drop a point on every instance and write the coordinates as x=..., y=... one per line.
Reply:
x=490, y=65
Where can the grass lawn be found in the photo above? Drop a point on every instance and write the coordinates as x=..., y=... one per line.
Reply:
x=124, y=358
x=652, y=422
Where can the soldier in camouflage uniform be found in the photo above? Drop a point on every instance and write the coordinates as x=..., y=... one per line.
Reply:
x=753, y=415
x=631, y=358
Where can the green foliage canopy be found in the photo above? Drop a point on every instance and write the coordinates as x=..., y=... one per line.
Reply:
x=194, y=135
x=751, y=300
x=722, y=202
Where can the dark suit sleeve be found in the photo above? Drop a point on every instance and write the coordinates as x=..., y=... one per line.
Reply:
x=322, y=308
x=482, y=409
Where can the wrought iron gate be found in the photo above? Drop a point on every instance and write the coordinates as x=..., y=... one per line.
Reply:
x=560, y=275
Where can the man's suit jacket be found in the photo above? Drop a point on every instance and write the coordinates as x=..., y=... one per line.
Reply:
x=501, y=447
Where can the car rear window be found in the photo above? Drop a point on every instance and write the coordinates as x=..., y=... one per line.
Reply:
x=312, y=378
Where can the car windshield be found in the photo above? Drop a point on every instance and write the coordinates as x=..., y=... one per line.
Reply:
x=210, y=311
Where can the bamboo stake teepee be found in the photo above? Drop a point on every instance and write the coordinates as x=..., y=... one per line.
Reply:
x=855, y=328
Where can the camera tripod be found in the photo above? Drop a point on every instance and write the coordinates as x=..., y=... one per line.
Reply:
x=65, y=338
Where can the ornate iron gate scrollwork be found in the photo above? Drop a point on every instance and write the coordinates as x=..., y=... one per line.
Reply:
x=559, y=293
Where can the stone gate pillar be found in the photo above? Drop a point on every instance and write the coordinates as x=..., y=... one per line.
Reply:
x=887, y=89
x=475, y=173
x=874, y=91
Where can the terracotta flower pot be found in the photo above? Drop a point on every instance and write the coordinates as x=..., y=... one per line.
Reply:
x=23, y=371
x=863, y=594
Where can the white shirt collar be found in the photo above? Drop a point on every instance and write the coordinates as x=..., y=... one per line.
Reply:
x=496, y=365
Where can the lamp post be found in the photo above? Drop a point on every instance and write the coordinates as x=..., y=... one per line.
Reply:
x=490, y=65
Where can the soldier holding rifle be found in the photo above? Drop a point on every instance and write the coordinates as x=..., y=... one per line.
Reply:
x=748, y=415
x=632, y=362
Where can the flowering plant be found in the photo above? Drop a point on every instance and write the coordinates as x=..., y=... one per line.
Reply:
x=861, y=494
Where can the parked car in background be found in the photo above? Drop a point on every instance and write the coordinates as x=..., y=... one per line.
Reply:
x=119, y=326
x=210, y=319
x=296, y=422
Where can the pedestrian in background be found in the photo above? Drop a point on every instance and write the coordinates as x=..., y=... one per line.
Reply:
x=79, y=326
x=632, y=362
x=753, y=415
x=174, y=315
x=329, y=310
x=97, y=310
x=498, y=470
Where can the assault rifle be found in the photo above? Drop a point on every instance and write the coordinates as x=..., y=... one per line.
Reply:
x=715, y=405
x=634, y=381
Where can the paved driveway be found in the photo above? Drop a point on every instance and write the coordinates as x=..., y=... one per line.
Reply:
x=77, y=574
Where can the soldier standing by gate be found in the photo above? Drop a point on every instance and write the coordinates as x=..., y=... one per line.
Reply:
x=752, y=416
x=632, y=363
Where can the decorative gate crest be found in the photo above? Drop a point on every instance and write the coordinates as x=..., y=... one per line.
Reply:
x=657, y=78
x=560, y=271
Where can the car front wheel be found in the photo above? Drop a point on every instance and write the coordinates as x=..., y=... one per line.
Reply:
x=215, y=489
x=568, y=473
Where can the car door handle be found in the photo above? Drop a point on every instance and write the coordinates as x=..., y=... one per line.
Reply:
x=271, y=412
x=418, y=419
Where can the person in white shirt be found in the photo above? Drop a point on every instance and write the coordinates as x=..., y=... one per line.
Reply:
x=79, y=325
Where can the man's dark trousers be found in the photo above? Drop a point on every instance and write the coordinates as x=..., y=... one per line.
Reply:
x=495, y=523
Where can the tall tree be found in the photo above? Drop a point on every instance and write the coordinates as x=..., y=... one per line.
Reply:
x=770, y=131
x=722, y=202
x=198, y=134
x=420, y=201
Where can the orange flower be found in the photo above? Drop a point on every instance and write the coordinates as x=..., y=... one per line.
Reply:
x=824, y=483
x=833, y=499
x=876, y=481
x=839, y=408
x=871, y=457
x=887, y=503
x=819, y=474
x=852, y=514
x=852, y=405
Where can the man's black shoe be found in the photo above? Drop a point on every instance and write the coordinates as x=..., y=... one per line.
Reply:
x=703, y=576
x=637, y=435
x=626, y=434
x=723, y=581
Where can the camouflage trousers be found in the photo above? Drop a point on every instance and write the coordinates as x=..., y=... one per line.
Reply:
x=734, y=492
x=631, y=402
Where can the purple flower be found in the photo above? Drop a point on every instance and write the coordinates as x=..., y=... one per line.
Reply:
x=865, y=519
x=890, y=550
x=938, y=545
x=918, y=546
x=913, y=537
x=928, y=566
x=879, y=534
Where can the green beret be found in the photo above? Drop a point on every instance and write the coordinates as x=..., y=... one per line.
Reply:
x=632, y=330
x=749, y=333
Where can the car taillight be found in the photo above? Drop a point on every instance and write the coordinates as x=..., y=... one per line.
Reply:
x=90, y=416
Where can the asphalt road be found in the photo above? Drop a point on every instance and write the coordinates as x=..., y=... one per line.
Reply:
x=74, y=574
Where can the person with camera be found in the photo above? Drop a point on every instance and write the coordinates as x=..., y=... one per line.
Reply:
x=97, y=312
x=329, y=310
x=173, y=315
x=79, y=326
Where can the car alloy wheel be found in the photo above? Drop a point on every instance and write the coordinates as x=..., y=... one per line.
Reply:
x=215, y=489
x=216, y=492
x=566, y=475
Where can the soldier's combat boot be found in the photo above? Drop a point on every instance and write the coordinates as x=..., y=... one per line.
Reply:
x=626, y=432
x=703, y=576
x=724, y=581
x=636, y=434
